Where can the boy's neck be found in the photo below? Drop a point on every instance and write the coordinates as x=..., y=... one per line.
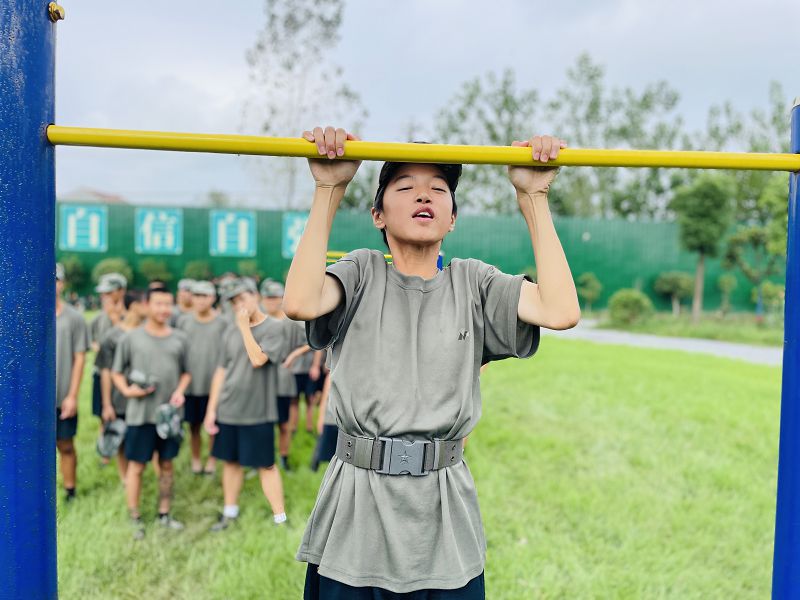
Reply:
x=420, y=261
x=158, y=329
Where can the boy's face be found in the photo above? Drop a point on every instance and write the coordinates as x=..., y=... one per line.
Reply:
x=185, y=297
x=417, y=206
x=159, y=307
x=202, y=303
x=272, y=304
x=247, y=301
x=59, y=287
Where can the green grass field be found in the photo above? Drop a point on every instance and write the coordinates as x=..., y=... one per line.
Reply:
x=602, y=471
x=735, y=327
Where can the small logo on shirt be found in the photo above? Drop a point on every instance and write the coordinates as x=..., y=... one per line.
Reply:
x=463, y=335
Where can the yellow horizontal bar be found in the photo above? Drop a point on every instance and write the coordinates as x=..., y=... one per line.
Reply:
x=337, y=255
x=432, y=153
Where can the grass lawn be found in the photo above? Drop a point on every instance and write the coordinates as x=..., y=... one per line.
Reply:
x=602, y=471
x=735, y=327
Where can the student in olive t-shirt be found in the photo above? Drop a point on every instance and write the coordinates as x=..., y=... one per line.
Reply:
x=156, y=353
x=243, y=403
x=111, y=288
x=296, y=346
x=204, y=328
x=407, y=342
x=114, y=403
x=72, y=341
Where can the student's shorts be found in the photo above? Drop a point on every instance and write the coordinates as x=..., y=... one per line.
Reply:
x=326, y=444
x=248, y=445
x=97, y=396
x=319, y=383
x=66, y=428
x=194, y=409
x=283, y=409
x=319, y=587
x=305, y=385
x=141, y=441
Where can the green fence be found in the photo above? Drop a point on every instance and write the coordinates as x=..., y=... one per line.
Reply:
x=621, y=253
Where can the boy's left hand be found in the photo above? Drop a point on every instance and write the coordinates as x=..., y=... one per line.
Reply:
x=536, y=179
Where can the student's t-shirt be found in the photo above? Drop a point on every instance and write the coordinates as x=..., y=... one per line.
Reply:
x=162, y=359
x=295, y=337
x=204, y=346
x=105, y=360
x=303, y=363
x=249, y=394
x=405, y=358
x=98, y=327
x=71, y=337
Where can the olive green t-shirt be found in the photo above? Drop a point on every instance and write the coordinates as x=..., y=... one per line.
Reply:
x=204, y=346
x=71, y=337
x=105, y=360
x=249, y=394
x=405, y=359
x=303, y=363
x=295, y=337
x=162, y=359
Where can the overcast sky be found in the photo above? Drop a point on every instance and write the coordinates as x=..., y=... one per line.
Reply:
x=180, y=66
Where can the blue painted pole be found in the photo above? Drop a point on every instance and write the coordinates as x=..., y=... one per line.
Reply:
x=27, y=302
x=786, y=561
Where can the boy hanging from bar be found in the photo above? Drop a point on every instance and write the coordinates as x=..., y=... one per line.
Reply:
x=72, y=341
x=243, y=402
x=397, y=511
x=150, y=371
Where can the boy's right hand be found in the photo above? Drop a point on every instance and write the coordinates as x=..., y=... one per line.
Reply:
x=135, y=391
x=330, y=144
x=210, y=423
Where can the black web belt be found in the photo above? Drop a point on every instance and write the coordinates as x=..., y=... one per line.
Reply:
x=395, y=456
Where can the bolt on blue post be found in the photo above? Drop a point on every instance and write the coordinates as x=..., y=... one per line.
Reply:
x=27, y=300
x=786, y=560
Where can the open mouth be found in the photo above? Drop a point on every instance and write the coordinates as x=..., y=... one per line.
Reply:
x=424, y=214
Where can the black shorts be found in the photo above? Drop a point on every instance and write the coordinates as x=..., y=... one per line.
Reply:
x=319, y=587
x=319, y=383
x=194, y=409
x=248, y=445
x=326, y=443
x=305, y=385
x=65, y=428
x=97, y=396
x=283, y=409
x=141, y=441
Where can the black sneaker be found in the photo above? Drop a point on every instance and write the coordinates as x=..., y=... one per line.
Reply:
x=222, y=524
x=285, y=463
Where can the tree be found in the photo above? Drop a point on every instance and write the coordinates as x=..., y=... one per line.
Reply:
x=726, y=284
x=488, y=110
x=249, y=268
x=74, y=272
x=218, y=199
x=676, y=286
x=360, y=193
x=704, y=215
x=749, y=250
x=589, y=289
x=199, y=270
x=153, y=269
x=294, y=84
x=113, y=264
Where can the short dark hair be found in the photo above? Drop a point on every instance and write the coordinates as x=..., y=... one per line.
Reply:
x=132, y=296
x=156, y=290
x=389, y=170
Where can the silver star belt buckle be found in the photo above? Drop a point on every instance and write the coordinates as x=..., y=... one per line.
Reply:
x=401, y=457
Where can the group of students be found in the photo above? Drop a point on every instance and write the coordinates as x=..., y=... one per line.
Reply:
x=234, y=368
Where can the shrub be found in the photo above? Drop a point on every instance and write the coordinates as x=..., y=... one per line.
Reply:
x=154, y=269
x=199, y=270
x=115, y=264
x=676, y=286
x=589, y=289
x=628, y=306
x=74, y=272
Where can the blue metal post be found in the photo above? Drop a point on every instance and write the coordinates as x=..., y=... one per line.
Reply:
x=27, y=298
x=786, y=562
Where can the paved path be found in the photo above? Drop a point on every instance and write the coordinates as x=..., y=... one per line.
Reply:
x=767, y=355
